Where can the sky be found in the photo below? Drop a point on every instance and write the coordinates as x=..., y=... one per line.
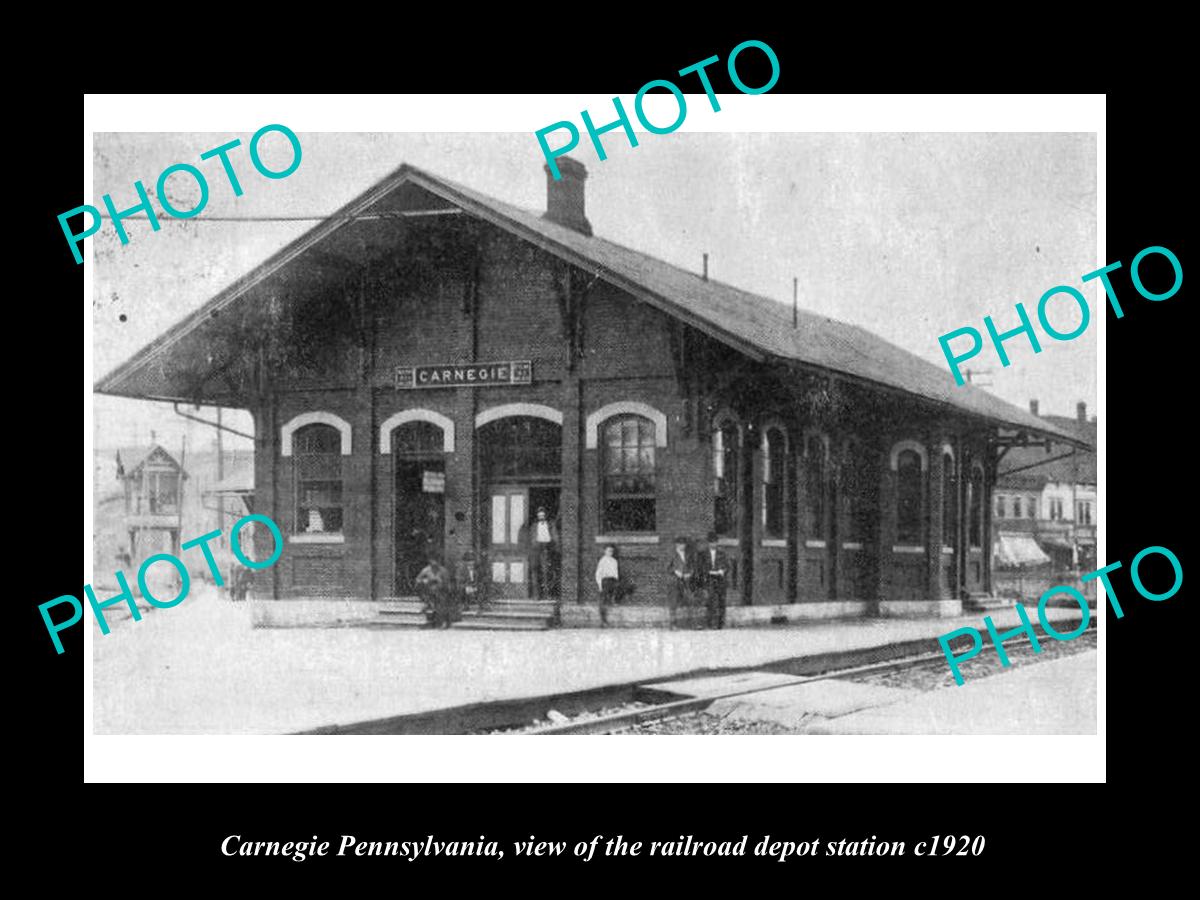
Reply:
x=909, y=235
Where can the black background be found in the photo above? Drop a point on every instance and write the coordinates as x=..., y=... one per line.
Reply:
x=1052, y=831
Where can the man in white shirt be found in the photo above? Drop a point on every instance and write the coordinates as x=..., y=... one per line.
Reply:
x=608, y=579
x=543, y=541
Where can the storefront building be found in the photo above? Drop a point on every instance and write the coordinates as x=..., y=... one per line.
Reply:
x=430, y=366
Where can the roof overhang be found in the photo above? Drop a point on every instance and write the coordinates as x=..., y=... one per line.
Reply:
x=337, y=245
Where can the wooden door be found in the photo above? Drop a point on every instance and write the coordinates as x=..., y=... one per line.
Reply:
x=419, y=520
x=508, y=554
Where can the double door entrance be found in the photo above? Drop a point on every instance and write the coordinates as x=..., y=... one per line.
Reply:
x=520, y=566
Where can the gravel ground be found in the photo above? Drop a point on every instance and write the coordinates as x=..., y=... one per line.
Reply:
x=935, y=674
x=930, y=676
x=560, y=719
x=703, y=723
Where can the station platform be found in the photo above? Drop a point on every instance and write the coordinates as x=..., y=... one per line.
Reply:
x=202, y=668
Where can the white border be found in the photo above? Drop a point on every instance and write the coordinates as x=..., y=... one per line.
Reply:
x=635, y=407
x=395, y=420
x=507, y=410
x=517, y=759
x=315, y=417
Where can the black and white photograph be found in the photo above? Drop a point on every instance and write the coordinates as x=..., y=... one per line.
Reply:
x=449, y=438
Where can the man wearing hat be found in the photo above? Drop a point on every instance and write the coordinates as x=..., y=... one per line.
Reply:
x=713, y=572
x=543, y=540
x=681, y=577
x=468, y=583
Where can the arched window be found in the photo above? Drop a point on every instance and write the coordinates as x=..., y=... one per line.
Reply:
x=726, y=467
x=418, y=439
x=1001, y=507
x=815, y=487
x=317, y=459
x=908, y=497
x=520, y=447
x=975, y=505
x=774, y=452
x=628, y=486
x=949, y=502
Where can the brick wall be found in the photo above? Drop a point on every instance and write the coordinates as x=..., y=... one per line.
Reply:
x=514, y=311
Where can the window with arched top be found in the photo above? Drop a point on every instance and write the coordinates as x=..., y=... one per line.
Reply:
x=975, y=506
x=816, y=468
x=628, y=483
x=418, y=439
x=774, y=475
x=317, y=464
x=908, y=497
x=949, y=501
x=727, y=448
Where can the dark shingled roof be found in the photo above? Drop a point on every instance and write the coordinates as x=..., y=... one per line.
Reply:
x=756, y=325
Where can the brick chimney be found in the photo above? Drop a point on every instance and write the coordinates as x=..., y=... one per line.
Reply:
x=1081, y=412
x=1033, y=407
x=564, y=197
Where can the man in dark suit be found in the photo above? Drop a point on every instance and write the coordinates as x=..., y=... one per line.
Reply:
x=543, y=554
x=681, y=575
x=713, y=570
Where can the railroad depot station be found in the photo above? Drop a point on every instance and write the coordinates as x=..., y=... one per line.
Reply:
x=429, y=366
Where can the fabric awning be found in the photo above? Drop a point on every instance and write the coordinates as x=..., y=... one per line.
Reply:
x=1020, y=550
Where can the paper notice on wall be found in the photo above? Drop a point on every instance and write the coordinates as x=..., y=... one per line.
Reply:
x=433, y=482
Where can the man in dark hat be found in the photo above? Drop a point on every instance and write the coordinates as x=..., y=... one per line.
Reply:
x=433, y=586
x=681, y=578
x=712, y=568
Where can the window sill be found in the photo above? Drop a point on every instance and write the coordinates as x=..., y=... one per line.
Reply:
x=852, y=546
x=317, y=539
x=815, y=545
x=948, y=551
x=774, y=542
x=628, y=538
x=728, y=542
x=907, y=548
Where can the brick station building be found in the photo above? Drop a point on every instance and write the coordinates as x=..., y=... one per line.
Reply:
x=429, y=365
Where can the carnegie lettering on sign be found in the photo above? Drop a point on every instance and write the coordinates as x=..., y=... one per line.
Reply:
x=469, y=375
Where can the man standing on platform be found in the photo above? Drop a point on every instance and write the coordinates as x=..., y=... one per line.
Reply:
x=713, y=570
x=544, y=545
x=681, y=574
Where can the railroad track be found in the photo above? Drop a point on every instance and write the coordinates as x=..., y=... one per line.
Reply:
x=635, y=703
x=673, y=709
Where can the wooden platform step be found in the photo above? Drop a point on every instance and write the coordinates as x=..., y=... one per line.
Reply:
x=983, y=603
x=500, y=615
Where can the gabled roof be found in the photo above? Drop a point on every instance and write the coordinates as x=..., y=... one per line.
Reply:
x=755, y=325
x=139, y=458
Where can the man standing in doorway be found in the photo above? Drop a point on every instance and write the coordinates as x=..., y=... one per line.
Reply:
x=713, y=570
x=544, y=544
